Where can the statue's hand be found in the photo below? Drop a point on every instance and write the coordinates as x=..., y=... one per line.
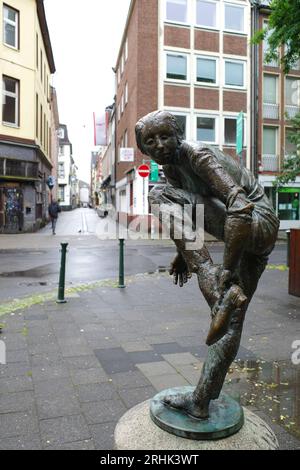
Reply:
x=179, y=270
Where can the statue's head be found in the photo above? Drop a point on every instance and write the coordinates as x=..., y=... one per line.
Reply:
x=158, y=135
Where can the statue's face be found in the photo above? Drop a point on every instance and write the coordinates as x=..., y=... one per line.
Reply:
x=160, y=142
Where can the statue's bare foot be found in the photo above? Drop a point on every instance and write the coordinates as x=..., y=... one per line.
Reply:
x=186, y=402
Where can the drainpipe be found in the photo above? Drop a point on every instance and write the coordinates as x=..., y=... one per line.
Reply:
x=254, y=90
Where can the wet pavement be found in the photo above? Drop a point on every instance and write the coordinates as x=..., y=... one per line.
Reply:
x=73, y=370
x=30, y=263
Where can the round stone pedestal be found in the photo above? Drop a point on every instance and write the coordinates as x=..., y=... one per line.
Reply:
x=137, y=431
x=226, y=416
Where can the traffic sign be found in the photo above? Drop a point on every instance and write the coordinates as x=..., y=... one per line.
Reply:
x=143, y=171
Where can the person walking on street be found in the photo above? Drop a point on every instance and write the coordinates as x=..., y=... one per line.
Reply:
x=54, y=209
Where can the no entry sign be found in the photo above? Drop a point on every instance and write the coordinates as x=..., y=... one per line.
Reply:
x=143, y=171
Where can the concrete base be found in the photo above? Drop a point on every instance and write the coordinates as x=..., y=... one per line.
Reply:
x=136, y=431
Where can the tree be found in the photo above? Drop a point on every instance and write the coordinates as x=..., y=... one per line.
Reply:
x=291, y=165
x=283, y=30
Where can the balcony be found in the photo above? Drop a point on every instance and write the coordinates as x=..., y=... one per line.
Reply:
x=270, y=111
x=270, y=163
x=291, y=111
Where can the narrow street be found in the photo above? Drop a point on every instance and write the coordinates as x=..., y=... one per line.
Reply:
x=30, y=263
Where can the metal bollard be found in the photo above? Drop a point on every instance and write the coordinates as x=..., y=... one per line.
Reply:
x=121, y=264
x=62, y=275
x=288, y=241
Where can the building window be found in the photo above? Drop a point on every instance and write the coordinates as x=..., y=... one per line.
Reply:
x=230, y=131
x=61, y=193
x=181, y=119
x=37, y=116
x=206, y=70
x=206, y=14
x=126, y=49
x=41, y=64
x=61, y=150
x=292, y=96
x=176, y=10
x=270, y=159
x=234, y=18
x=234, y=73
x=10, y=105
x=10, y=27
x=270, y=97
x=126, y=93
x=126, y=139
x=274, y=62
x=290, y=147
x=37, y=51
x=61, y=170
x=177, y=66
x=206, y=129
x=41, y=124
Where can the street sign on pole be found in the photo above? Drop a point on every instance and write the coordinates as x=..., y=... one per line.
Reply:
x=239, y=133
x=144, y=171
x=154, y=172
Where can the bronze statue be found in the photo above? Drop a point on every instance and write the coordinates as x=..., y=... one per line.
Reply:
x=238, y=212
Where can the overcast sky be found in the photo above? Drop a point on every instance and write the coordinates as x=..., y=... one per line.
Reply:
x=85, y=38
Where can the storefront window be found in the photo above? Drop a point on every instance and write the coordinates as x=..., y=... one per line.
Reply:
x=288, y=204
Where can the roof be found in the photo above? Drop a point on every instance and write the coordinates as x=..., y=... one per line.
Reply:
x=45, y=33
x=65, y=139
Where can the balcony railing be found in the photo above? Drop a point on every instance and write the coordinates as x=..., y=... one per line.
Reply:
x=270, y=162
x=271, y=111
x=292, y=110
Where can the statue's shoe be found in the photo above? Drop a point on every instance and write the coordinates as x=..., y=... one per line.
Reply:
x=233, y=299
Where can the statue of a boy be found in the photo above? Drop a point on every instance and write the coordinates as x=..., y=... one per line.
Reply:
x=237, y=211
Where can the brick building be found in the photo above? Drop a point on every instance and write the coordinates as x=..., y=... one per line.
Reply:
x=278, y=100
x=191, y=57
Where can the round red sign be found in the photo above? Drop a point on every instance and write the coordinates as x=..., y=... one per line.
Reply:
x=143, y=171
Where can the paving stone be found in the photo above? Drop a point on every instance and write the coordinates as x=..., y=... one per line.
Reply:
x=168, y=348
x=180, y=359
x=53, y=387
x=16, y=384
x=14, y=370
x=134, y=346
x=114, y=360
x=129, y=380
x=42, y=373
x=49, y=359
x=57, y=405
x=75, y=350
x=16, y=402
x=190, y=373
x=36, y=316
x=103, y=435
x=96, y=392
x=163, y=382
x=14, y=341
x=81, y=445
x=156, y=368
x=42, y=348
x=14, y=357
x=16, y=424
x=103, y=411
x=67, y=429
x=21, y=443
x=136, y=395
x=82, y=362
x=89, y=376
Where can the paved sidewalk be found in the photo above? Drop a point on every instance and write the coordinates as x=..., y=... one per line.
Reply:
x=73, y=370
